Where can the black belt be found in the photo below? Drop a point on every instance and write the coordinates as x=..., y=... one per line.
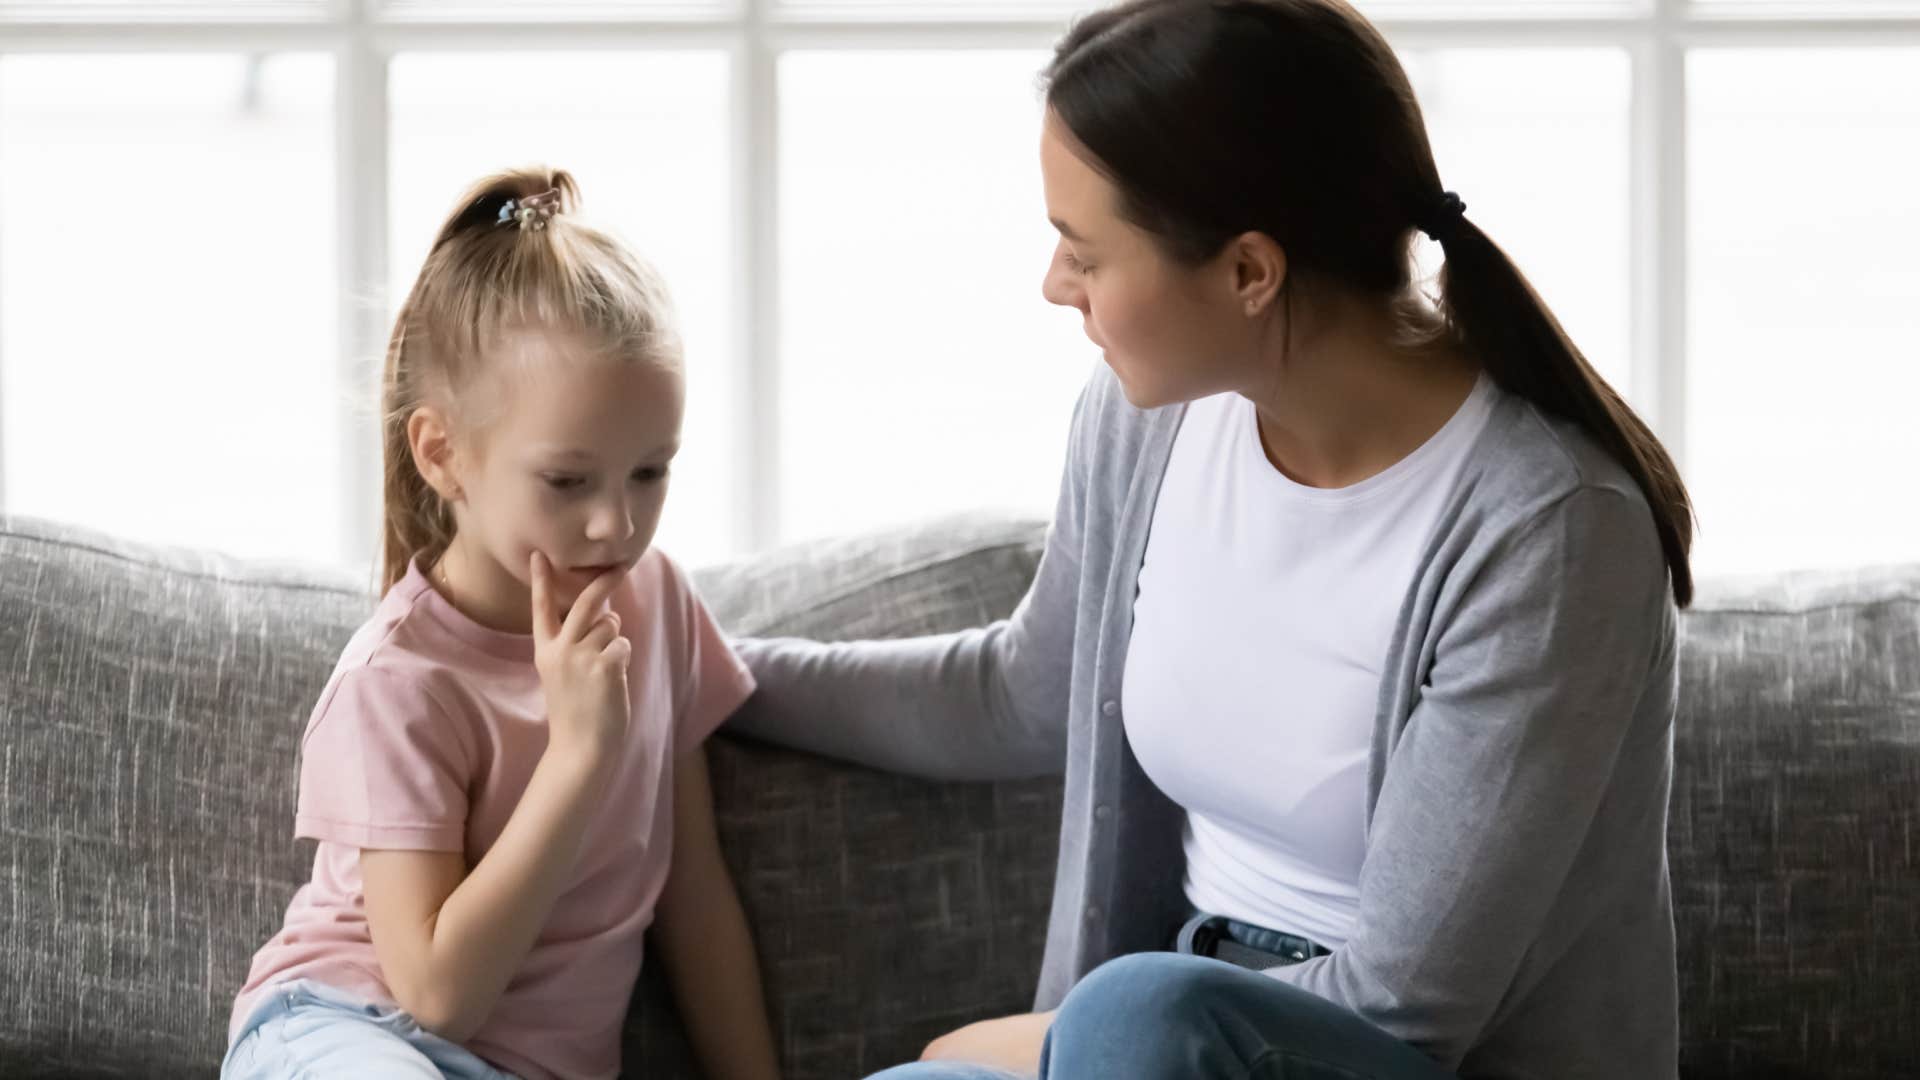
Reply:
x=1244, y=944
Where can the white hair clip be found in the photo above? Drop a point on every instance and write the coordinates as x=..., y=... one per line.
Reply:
x=532, y=212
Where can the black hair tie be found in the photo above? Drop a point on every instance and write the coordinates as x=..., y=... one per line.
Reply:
x=1442, y=219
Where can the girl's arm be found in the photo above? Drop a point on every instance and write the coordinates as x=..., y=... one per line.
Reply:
x=449, y=941
x=701, y=935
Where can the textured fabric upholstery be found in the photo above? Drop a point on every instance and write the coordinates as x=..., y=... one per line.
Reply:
x=151, y=702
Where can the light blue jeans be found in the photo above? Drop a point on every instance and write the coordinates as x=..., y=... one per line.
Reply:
x=306, y=1029
x=1168, y=1016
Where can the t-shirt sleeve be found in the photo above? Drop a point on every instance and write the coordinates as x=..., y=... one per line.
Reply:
x=383, y=766
x=715, y=681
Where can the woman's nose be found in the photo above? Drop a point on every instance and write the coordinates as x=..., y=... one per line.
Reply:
x=1059, y=286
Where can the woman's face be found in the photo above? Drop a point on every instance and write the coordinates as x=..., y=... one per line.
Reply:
x=1169, y=332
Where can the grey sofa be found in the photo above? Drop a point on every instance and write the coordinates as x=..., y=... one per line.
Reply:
x=151, y=701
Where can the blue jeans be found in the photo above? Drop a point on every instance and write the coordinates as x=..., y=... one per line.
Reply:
x=307, y=1029
x=1165, y=1016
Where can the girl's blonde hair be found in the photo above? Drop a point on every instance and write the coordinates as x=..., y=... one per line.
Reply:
x=510, y=255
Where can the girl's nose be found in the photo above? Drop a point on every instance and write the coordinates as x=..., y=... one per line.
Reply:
x=612, y=520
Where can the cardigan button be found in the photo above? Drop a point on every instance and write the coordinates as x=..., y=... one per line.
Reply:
x=1109, y=708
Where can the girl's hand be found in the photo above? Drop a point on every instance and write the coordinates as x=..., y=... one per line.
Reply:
x=1011, y=1042
x=582, y=662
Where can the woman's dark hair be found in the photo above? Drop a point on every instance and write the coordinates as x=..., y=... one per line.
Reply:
x=1293, y=118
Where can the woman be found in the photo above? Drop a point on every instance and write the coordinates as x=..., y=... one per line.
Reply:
x=1354, y=632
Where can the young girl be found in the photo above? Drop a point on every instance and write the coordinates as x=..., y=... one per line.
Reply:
x=507, y=760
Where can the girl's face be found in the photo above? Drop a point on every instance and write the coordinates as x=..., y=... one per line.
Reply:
x=1170, y=333
x=572, y=461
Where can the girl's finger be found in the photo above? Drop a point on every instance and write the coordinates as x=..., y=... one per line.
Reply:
x=597, y=637
x=589, y=605
x=543, y=620
x=619, y=652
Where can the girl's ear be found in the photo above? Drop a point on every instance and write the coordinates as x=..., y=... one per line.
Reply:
x=431, y=441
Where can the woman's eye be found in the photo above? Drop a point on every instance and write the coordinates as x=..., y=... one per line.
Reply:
x=650, y=475
x=1076, y=265
x=562, y=483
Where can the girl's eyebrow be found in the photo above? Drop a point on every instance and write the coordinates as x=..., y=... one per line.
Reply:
x=572, y=454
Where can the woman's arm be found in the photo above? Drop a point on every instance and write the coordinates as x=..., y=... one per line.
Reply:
x=1499, y=777
x=702, y=938
x=982, y=704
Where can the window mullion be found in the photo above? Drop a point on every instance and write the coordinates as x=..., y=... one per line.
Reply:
x=1658, y=245
x=361, y=197
x=755, y=163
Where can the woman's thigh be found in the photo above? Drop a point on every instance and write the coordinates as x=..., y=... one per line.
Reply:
x=1165, y=1015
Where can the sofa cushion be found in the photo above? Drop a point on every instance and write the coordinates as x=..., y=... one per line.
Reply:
x=151, y=702
x=1795, y=826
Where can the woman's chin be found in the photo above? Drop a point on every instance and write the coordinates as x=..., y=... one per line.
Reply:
x=1141, y=393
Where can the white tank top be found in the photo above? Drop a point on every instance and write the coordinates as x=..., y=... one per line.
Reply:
x=1262, y=623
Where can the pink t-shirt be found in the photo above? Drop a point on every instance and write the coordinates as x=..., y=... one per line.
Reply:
x=424, y=739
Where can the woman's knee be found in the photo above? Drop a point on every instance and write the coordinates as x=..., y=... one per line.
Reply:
x=944, y=1070
x=1143, y=984
x=1158, y=1013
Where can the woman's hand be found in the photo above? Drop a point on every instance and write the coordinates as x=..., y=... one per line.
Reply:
x=582, y=663
x=1011, y=1042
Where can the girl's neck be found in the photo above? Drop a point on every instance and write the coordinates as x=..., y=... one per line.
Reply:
x=480, y=588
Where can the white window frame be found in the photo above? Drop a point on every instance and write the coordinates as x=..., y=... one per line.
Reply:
x=1656, y=35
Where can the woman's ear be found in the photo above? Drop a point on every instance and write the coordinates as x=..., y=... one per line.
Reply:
x=1259, y=269
x=432, y=444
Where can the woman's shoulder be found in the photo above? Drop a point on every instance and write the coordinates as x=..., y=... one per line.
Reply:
x=1529, y=460
x=1539, y=487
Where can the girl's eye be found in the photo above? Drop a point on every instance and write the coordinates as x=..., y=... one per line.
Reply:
x=562, y=483
x=650, y=475
x=1076, y=265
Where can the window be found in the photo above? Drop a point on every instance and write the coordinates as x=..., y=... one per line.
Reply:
x=1804, y=369
x=645, y=134
x=167, y=334
x=209, y=209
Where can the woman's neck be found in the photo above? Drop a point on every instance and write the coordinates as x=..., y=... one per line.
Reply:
x=1349, y=401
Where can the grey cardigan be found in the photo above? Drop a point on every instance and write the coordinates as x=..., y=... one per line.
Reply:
x=1515, y=918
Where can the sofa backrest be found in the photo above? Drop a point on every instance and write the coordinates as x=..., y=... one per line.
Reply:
x=1794, y=834
x=151, y=702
